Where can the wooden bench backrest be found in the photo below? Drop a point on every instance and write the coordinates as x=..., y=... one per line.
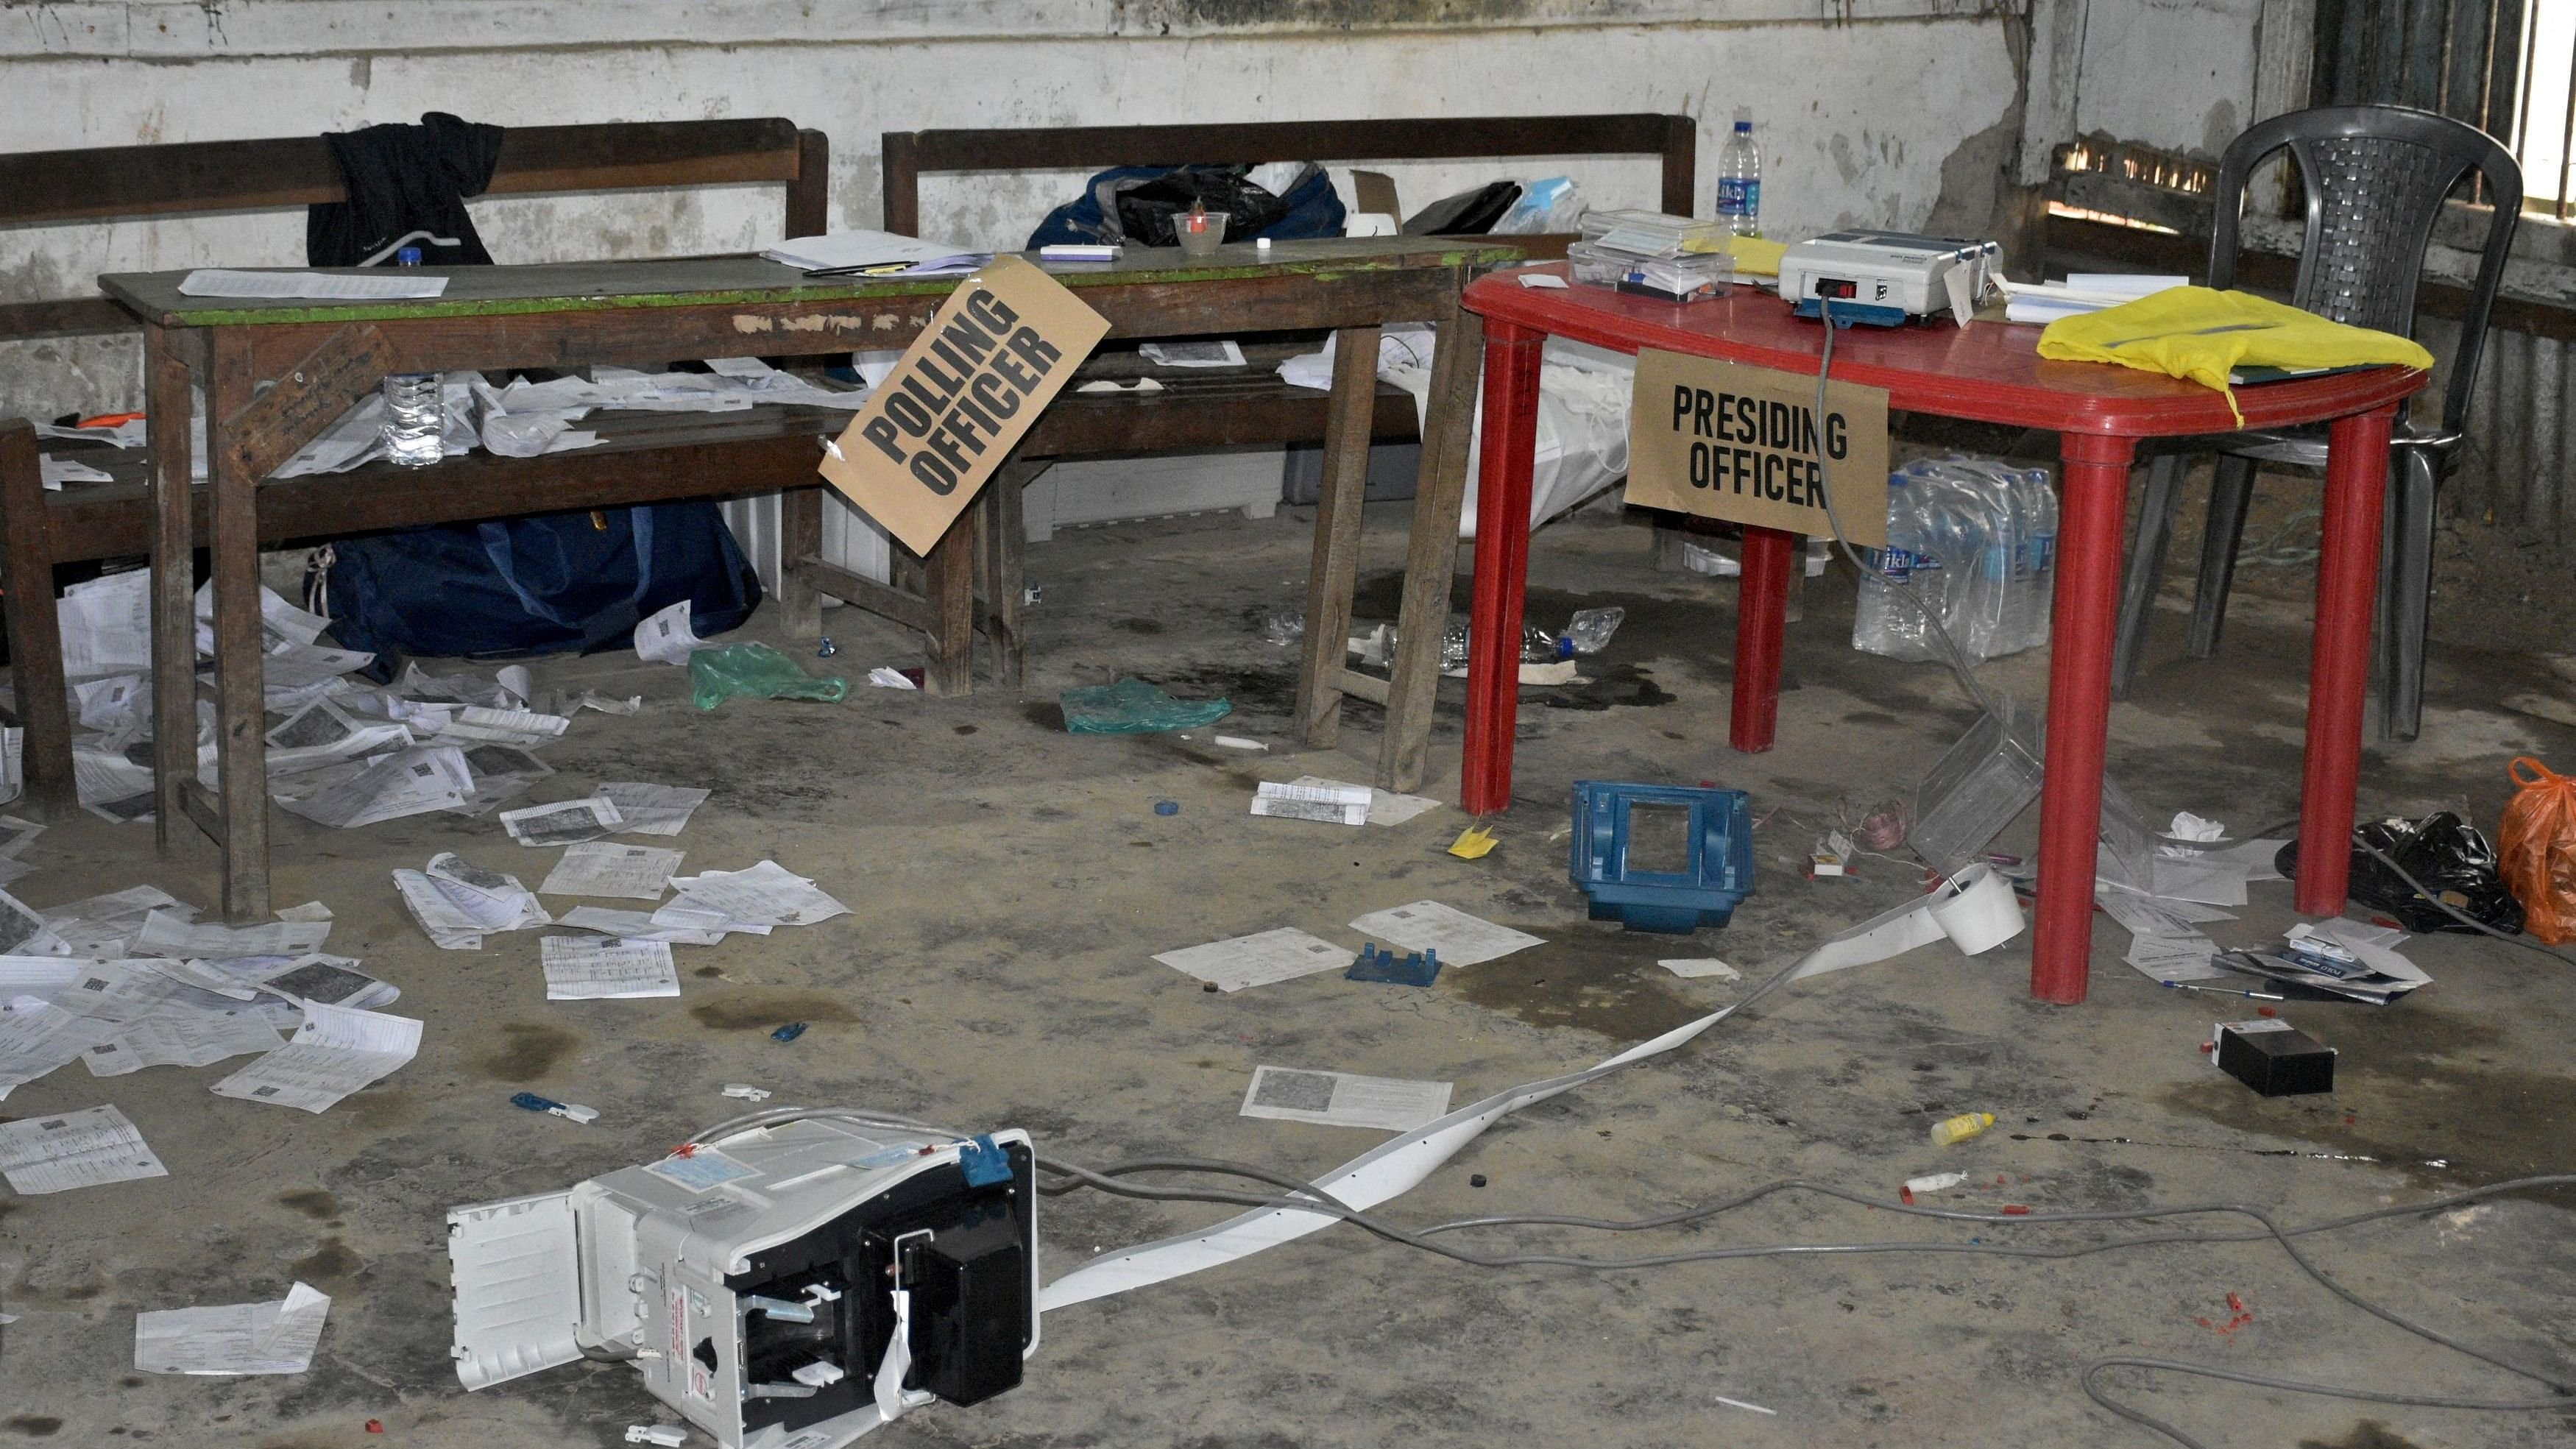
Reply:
x=137, y=182
x=908, y=154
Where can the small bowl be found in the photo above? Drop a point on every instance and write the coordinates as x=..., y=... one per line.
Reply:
x=1204, y=241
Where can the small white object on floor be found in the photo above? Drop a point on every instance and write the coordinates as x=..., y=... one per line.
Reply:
x=2187, y=826
x=234, y=1338
x=1693, y=968
x=309, y=911
x=1384, y=807
x=746, y=1092
x=1238, y=742
x=1935, y=1182
x=1740, y=1404
x=886, y=676
x=1108, y=384
x=669, y=1436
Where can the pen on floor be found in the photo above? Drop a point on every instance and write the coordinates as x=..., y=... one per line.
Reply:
x=2227, y=991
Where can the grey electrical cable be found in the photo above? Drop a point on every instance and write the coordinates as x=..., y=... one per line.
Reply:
x=1304, y=1197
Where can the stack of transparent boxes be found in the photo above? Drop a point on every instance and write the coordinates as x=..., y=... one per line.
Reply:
x=1651, y=254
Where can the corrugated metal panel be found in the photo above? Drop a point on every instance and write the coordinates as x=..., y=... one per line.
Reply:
x=2522, y=432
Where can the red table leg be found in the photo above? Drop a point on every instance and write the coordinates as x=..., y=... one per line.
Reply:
x=1761, y=626
x=1502, y=564
x=2339, y=669
x=2093, y=510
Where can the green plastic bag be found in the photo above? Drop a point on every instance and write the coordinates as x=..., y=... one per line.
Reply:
x=1133, y=707
x=756, y=671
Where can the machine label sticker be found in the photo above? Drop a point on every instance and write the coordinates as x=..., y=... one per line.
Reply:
x=703, y=1169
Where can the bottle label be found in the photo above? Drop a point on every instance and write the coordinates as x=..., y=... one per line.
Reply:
x=1897, y=564
x=1739, y=196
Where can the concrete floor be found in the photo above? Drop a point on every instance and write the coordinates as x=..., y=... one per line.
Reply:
x=1010, y=884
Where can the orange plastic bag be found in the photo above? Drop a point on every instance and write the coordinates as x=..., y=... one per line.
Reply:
x=2536, y=850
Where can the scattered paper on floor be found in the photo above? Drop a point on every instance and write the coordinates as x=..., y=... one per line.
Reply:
x=1461, y=939
x=665, y=638
x=1385, y=807
x=648, y=809
x=612, y=868
x=406, y=782
x=1259, y=959
x=457, y=902
x=1696, y=967
x=90, y=1148
x=233, y=1338
x=168, y=934
x=181, y=1039
x=635, y=926
x=590, y=968
x=766, y=895
x=563, y=823
x=1342, y=1099
x=1328, y=804
x=336, y=1052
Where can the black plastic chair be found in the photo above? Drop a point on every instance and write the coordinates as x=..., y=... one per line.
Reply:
x=2376, y=179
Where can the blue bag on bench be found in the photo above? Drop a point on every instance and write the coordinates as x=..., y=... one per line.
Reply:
x=543, y=584
x=1309, y=209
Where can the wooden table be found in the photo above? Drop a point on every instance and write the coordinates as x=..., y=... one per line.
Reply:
x=1991, y=372
x=275, y=373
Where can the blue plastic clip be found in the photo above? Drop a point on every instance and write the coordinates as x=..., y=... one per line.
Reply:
x=983, y=1161
x=1420, y=968
x=789, y=1032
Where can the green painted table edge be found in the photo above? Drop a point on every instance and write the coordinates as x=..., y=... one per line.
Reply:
x=129, y=288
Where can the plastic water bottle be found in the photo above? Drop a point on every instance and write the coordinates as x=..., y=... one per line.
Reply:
x=1739, y=178
x=1886, y=624
x=415, y=414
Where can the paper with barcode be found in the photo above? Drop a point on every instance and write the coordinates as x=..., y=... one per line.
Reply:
x=233, y=1338
x=767, y=894
x=591, y=968
x=1344, y=1099
x=166, y=933
x=1385, y=807
x=1461, y=939
x=651, y=809
x=180, y=1039
x=612, y=868
x=635, y=926
x=404, y=783
x=36, y=1036
x=666, y=638
x=1329, y=804
x=336, y=1052
x=563, y=823
x=1259, y=959
x=90, y=1148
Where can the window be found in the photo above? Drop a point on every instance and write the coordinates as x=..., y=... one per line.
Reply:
x=2501, y=65
x=2545, y=122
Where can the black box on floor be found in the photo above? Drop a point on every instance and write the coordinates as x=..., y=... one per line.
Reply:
x=2275, y=1058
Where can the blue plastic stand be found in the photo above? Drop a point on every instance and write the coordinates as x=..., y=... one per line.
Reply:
x=1420, y=968
x=1705, y=889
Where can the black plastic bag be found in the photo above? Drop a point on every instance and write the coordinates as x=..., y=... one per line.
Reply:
x=1146, y=212
x=1469, y=213
x=2441, y=850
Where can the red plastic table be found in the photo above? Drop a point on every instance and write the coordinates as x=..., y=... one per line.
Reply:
x=1991, y=372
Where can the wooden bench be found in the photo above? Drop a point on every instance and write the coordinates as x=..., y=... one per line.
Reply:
x=652, y=460
x=1196, y=411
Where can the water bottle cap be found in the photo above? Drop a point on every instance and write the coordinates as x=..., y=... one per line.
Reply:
x=407, y=257
x=1744, y=118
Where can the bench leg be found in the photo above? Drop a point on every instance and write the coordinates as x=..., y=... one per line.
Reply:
x=232, y=541
x=35, y=632
x=800, y=537
x=1431, y=552
x=1002, y=560
x=1335, y=570
x=166, y=375
x=948, y=576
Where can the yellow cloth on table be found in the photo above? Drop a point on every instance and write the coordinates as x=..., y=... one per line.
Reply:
x=2195, y=333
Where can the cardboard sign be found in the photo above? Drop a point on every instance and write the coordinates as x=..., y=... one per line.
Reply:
x=996, y=353
x=1724, y=440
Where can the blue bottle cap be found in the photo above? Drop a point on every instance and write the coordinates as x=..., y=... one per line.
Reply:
x=1167, y=807
x=407, y=257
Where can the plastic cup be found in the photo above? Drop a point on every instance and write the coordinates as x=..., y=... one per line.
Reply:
x=1200, y=236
